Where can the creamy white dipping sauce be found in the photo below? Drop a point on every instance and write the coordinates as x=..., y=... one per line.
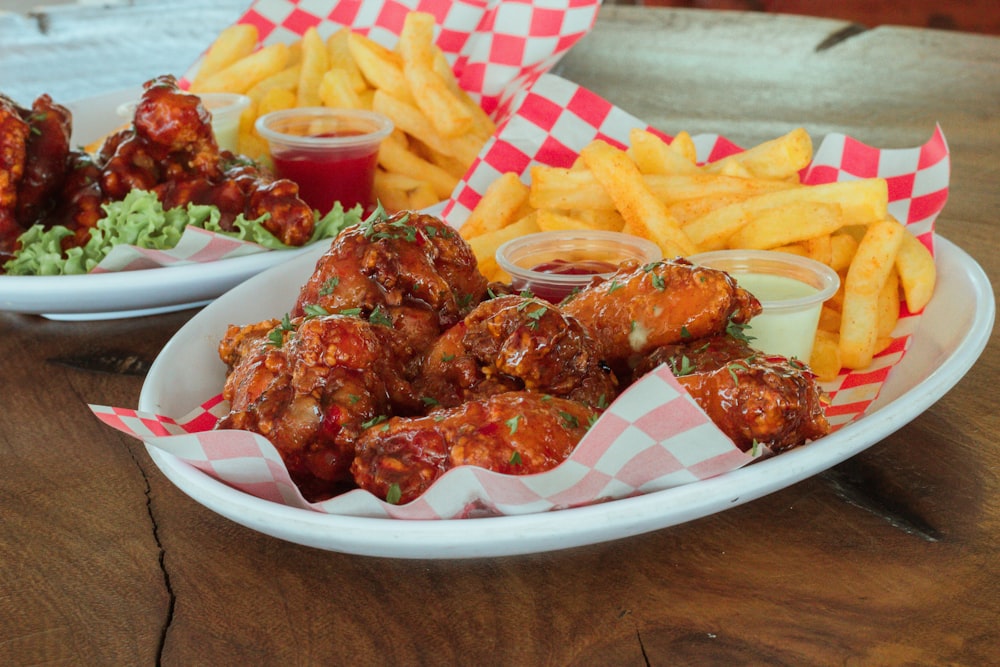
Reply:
x=787, y=325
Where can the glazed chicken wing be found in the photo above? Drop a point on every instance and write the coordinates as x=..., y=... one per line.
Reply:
x=411, y=273
x=750, y=396
x=514, y=342
x=642, y=307
x=309, y=386
x=517, y=433
x=47, y=152
x=14, y=133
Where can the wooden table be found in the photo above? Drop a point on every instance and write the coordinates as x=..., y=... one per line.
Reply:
x=888, y=559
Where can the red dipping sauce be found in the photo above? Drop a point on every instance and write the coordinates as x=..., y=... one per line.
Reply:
x=330, y=153
x=323, y=179
x=553, y=265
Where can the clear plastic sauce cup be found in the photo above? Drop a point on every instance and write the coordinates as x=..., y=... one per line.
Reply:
x=791, y=289
x=330, y=153
x=552, y=265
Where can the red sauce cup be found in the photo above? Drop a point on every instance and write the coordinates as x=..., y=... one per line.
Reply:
x=330, y=153
x=552, y=265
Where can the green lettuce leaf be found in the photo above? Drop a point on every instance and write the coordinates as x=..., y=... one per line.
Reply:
x=140, y=220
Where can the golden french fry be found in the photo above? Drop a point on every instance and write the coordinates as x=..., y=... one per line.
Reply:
x=315, y=62
x=246, y=72
x=409, y=119
x=683, y=145
x=382, y=68
x=416, y=39
x=564, y=189
x=233, y=43
x=484, y=246
x=866, y=276
x=888, y=306
x=842, y=249
x=287, y=78
x=339, y=56
x=394, y=156
x=917, y=272
x=276, y=99
x=824, y=360
x=399, y=192
x=552, y=221
x=449, y=116
x=829, y=319
x=772, y=228
x=654, y=156
x=644, y=214
x=776, y=159
x=502, y=199
x=335, y=90
x=861, y=202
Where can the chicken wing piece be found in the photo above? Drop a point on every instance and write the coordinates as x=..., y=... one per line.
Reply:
x=310, y=386
x=45, y=165
x=14, y=132
x=411, y=272
x=642, y=307
x=750, y=396
x=514, y=342
x=515, y=433
x=176, y=126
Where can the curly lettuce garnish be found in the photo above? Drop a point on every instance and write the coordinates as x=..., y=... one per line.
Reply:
x=140, y=220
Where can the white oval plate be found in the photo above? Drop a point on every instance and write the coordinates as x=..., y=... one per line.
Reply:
x=129, y=293
x=951, y=336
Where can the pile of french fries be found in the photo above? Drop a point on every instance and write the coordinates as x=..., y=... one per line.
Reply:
x=439, y=129
x=754, y=199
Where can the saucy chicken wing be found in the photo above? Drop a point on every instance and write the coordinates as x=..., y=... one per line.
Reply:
x=514, y=342
x=14, y=132
x=410, y=272
x=642, y=307
x=516, y=433
x=309, y=386
x=750, y=396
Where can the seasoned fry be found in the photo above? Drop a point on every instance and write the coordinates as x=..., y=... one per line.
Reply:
x=501, y=201
x=775, y=159
x=644, y=214
x=233, y=43
x=394, y=156
x=315, y=63
x=917, y=272
x=865, y=280
x=247, y=72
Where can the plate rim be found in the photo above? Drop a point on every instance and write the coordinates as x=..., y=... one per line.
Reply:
x=534, y=533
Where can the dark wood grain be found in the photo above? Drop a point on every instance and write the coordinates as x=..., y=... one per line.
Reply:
x=889, y=559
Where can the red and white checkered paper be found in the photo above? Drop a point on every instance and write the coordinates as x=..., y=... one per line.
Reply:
x=653, y=437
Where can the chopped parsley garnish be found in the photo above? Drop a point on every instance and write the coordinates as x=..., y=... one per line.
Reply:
x=277, y=335
x=377, y=419
x=512, y=423
x=658, y=281
x=351, y=312
x=515, y=458
x=430, y=401
x=379, y=316
x=330, y=284
x=569, y=420
x=614, y=286
x=315, y=310
x=393, y=495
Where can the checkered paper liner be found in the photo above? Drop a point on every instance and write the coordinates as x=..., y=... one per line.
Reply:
x=653, y=437
x=496, y=48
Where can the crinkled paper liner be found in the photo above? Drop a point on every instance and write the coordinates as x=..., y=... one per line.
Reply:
x=653, y=436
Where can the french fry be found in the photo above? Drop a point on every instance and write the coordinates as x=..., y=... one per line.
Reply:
x=394, y=156
x=287, y=78
x=339, y=56
x=409, y=119
x=335, y=90
x=448, y=115
x=501, y=201
x=654, y=156
x=315, y=63
x=644, y=214
x=888, y=306
x=775, y=159
x=770, y=228
x=484, y=246
x=861, y=202
x=824, y=360
x=247, y=72
x=866, y=277
x=917, y=272
x=382, y=68
x=842, y=249
x=233, y=43
x=400, y=192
